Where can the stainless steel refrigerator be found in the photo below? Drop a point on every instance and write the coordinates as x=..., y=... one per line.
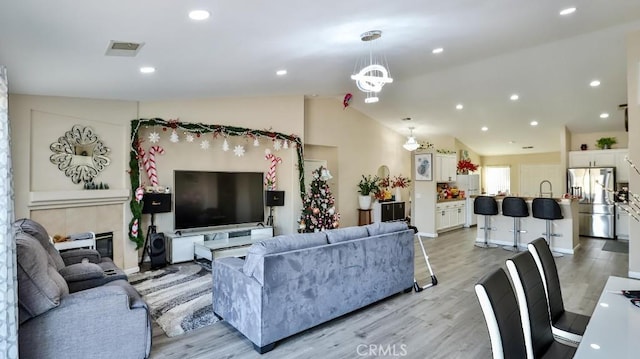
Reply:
x=470, y=184
x=594, y=187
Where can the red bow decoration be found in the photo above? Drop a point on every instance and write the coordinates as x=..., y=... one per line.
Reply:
x=346, y=100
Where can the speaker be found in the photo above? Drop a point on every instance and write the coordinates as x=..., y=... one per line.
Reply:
x=274, y=198
x=156, y=203
x=157, y=252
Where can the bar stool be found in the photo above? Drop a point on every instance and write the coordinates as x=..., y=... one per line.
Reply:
x=549, y=210
x=517, y=208
x=487, y=207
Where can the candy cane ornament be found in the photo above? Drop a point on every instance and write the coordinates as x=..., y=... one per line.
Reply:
x=139, y=194
x=270, y=178
x=150, y=164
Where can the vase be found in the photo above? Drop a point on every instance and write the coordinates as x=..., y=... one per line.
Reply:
x=364, y=202
x=398, y=194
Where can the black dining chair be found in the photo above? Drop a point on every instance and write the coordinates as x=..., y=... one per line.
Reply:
x=501, y=313
x=566, y=325
x=534, y=309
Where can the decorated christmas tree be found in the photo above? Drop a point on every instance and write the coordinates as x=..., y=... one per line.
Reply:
x=319, y=212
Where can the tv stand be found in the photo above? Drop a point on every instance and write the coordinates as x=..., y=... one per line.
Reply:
x=183, y=247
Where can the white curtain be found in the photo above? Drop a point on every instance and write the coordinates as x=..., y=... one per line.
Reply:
x=498, y=179
x=8, y=283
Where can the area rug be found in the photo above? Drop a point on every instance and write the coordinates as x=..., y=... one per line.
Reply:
x=179, y=296
x=616, y=246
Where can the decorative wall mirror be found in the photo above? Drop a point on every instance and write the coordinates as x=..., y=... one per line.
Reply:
x=80, y=154
x=383, y=171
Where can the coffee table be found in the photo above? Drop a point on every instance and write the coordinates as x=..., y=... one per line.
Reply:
x=226, y=247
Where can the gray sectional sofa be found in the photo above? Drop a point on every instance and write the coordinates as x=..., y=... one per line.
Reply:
x=290, y=283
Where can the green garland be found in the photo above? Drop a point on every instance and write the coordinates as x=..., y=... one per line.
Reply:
x=197, y=128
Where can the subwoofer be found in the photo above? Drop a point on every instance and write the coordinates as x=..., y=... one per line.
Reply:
x=157, y=252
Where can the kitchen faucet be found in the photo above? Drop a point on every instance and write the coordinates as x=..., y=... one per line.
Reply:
x=550, y=193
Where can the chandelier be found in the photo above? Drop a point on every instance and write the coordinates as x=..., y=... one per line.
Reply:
x=411, y=144
x=373, y=73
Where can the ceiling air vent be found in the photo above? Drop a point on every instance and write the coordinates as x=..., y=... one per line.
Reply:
x=122, y=48
x=527, y=147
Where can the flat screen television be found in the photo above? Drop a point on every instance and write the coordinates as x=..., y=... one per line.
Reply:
x=206, y=199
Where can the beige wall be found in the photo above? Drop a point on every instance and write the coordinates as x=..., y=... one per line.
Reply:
x=515, y=161
x=363, y=146
x=36, y=122
x=280, y=114
x=633, y=93
x=590, y=139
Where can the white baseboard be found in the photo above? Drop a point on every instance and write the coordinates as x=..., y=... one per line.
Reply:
x=524, y=246
x=135, y=269
x=430, y=235
x=635, y=275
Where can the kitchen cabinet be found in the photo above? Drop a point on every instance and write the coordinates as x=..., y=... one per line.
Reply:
x=388, y=211
x=446, y=167
x=622, y=223
x=450, y=215
x=603, y=158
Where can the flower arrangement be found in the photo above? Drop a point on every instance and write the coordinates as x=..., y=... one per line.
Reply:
x=400, y=182
x=465, y=166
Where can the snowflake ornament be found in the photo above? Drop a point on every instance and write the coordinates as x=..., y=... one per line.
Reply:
x=256, y=142
x=174, y=137
x=189, y=137
x=277, y=145
x=238, y=150
x=225, y=145
x=204, y=144
x=154, y=137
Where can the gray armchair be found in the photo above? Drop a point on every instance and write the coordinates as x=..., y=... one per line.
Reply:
x=81, y=268
x=109, y=321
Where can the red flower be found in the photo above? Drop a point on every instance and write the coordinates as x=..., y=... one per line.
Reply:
x=466, y=165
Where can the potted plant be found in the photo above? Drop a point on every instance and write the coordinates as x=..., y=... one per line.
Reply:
x=605, y=143
x=367, y=186
x=465, y=166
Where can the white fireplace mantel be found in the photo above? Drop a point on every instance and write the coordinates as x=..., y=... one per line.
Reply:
x=77, y=198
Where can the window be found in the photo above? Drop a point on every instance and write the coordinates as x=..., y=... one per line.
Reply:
x=498, y=179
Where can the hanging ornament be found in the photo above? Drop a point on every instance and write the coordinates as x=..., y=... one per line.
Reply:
x=256, y=142
x=276, y=145
x=139, y=194
x=198, y=135
x=285, y=144
x=238, y=150
x=150, y=164
x=134, y=228
x=189, y=137
x=154, y=137
x=174, y=137
x=225, y=145
x=204, y=144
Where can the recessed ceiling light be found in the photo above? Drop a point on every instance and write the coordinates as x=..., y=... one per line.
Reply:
x=371, y=100
x=533, y=123
x=437, y=50
x=199, y=15
x=459, y=106
x=147, y=69
x=514, y=97
x=604, y=115
x=281, y=72
x=485, y=128
x=594, y=83
x=567, y=11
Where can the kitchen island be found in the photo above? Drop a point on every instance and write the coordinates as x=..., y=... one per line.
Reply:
x=566, y=227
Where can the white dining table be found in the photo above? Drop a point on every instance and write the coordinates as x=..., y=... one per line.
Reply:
x=614, y=328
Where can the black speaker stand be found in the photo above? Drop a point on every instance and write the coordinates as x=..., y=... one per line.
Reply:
x=270, y=218
x=151, y=230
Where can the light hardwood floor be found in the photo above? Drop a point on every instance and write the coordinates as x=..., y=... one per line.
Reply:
x=444, y=321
